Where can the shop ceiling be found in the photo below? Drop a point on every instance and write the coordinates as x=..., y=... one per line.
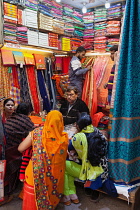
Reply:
x=89, y=3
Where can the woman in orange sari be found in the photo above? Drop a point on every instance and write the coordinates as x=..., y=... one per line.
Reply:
x=44, y=175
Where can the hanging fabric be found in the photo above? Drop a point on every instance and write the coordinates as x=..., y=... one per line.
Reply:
x=65, y=64
x=19, y=57
x=7, y=57
x=33, y=88
x=43, y=92
x=24, y=88
x=40, y=61
x=14, y=85
x=124, y=141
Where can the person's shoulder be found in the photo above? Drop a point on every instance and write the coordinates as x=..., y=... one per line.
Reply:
x=81, y=101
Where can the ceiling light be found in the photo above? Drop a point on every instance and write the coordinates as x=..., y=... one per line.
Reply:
x=107, y=4
x=58, y=1
x=84, y=9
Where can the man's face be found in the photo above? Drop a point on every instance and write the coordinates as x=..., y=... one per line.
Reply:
x=81, y=55
x=112, y=55
x=71, y=96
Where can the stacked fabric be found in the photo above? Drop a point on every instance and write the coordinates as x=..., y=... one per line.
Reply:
x=30, y=18
x=45, y=22
x=44, y=8
x=56, y=10
x=58, y=26
x=100, y=28
x=111, y=42
x=88, y=38
x=100, y=15
x=100, y=44
x=22, y=35
x=77, y=16
x=53, y=40
x=32, y=37
x=113, y=27
x=10, y=35
x=32, y=4
x=66, y=45
x=20, y=17
x=69, y=29
x=67, y=13
x=114, y=11
x=43, y=40
x=75, y=43
x=10, y=13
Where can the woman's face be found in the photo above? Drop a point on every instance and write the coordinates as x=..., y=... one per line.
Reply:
x=9, y=107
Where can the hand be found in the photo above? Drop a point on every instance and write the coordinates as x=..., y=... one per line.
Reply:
x=22, y=180
x=89, y=67
x=105, y=86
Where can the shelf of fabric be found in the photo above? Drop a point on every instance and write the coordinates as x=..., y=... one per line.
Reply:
x=44, y=8
x=58, y=26
x=43, y=40
x=30, y=18
x=115, y=11
x=53, y=40
x=75, y=43
x=45, y=22
x=32, y=4
x=32, y=37
x=112, y=41
x=100, y=15
x=113, y=27
x=66, y=44
x=56, y=10
x=69, y=29
x=67, y=13
x=22, y=37
x=10, y=33
x=100, y=29
x=10, y=13
x=100, y=44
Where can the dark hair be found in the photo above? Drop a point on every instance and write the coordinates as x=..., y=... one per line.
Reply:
x=7, y=100
x=114, y=48
x=84, y=121
x=96, y=149
x=23, y=108
x=72, y=88
x=80, y=49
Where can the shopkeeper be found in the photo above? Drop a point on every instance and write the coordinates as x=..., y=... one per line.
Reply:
x=73, y=106
x=75, y=70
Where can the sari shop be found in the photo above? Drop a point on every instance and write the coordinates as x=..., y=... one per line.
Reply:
x=38, y=73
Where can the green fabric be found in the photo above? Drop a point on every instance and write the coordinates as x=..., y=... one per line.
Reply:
x=72, y=171
x=79, y=141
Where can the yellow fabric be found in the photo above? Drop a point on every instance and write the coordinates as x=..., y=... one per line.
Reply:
x=79, y=141
x=48, y=161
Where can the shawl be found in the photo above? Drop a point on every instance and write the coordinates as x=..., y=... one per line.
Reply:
x=17, y=127
x=79, y=141
x=49, y=157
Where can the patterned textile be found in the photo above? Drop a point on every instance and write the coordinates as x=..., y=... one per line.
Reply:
x=14, y=85
x=124, y=142
x=89, y=95
x=49, y=156
x=102, y=93
x=43, y=92
x=40, y=61
x=24, y=88
x=33, y=88
x=4, y=82
x=7, y=57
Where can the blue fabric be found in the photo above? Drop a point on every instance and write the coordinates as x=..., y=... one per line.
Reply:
x=96, y=184
x=124, y=145
x=43, y=92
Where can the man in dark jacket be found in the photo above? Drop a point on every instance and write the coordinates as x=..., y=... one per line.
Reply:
x=72, y=107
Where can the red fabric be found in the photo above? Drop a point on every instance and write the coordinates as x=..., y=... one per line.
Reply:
x=96, y=118
x=15, y=77
x=29, y=202
x=40, y=61
x=65, y=64
x=33, y=88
